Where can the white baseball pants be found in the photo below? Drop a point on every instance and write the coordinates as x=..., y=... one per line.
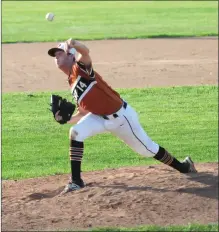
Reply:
x=126, y=126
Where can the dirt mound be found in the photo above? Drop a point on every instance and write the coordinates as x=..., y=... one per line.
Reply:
x=114, y=197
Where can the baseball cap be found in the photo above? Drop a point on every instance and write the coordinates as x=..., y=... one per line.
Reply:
x=60, y=47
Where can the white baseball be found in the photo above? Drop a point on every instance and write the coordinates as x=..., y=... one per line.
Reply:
x=50, y=16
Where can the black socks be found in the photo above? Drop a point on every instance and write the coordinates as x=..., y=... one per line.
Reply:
x=165, y=157
x=76, y=154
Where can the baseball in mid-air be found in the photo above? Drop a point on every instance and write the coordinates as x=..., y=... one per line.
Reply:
x=50, y=16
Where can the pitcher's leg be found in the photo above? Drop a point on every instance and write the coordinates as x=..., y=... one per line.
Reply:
x=88, y=126
x=132, y=133
x=136, y=138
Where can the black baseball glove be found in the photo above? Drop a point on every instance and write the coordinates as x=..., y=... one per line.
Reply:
x=61, y=108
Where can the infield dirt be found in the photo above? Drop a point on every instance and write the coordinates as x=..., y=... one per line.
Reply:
x=130, y=196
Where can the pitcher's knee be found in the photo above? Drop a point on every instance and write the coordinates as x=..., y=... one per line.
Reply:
x=72, y=133
x=77, y=135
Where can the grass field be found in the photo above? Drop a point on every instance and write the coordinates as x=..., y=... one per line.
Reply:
x=25, y=20
x=182, y=119
x=196, y=228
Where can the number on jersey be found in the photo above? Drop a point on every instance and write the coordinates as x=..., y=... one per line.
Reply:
x=82, y=87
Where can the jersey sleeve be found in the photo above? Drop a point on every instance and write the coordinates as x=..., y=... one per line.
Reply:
x=87, y=69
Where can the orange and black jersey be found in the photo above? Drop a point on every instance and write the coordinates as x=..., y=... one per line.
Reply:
x=91, y=92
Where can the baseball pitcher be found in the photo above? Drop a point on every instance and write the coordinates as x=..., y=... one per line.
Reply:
x=99, y=109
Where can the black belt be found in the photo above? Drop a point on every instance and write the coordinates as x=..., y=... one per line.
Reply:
x=116, y=115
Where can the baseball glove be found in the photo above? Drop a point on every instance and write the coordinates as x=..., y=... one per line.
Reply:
x=62, y=109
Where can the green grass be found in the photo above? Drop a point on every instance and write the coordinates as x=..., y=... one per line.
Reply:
x=182, y=119
x=190, y=227
x=25, y=20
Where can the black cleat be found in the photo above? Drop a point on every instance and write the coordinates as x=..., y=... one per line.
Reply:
x=73, y=186
x=191, y=167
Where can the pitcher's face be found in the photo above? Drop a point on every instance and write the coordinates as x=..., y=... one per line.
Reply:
x=61, y=59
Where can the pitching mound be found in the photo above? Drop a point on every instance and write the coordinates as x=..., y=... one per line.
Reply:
x=115, y=197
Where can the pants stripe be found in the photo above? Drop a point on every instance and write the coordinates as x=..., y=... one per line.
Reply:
x=137, y=137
